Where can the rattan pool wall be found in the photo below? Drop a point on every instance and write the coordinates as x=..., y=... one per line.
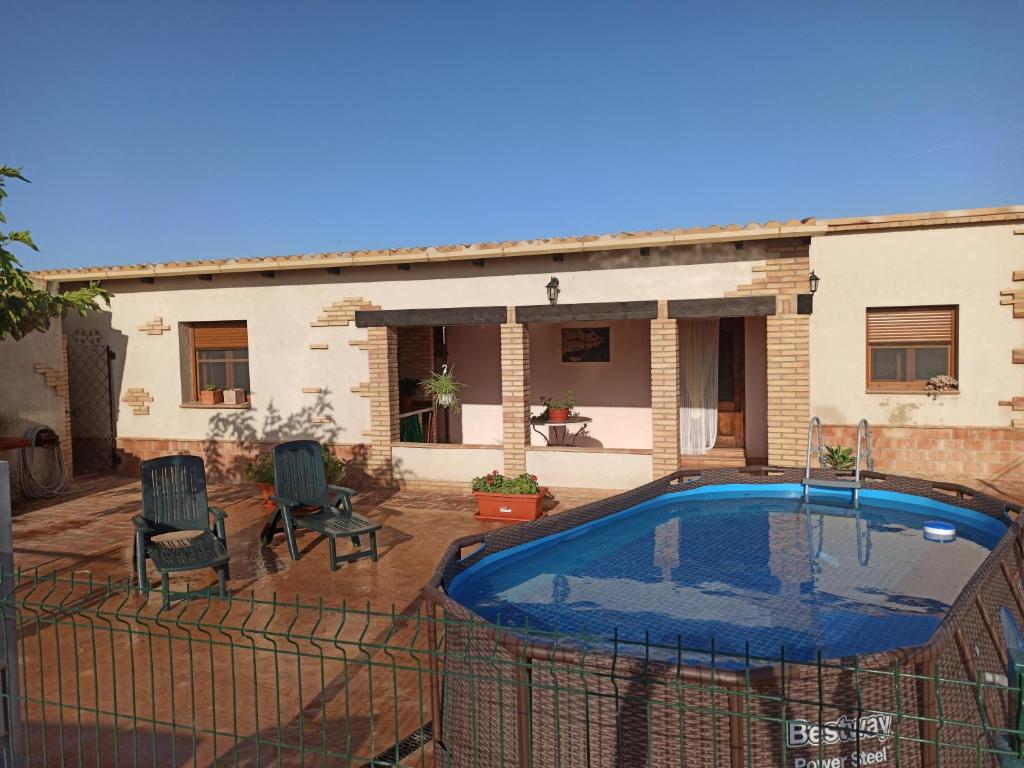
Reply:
x=505, y=701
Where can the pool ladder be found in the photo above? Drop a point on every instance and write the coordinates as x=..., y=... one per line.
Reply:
x=817, y=445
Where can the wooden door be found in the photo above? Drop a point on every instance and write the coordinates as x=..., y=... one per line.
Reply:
x=730, y=383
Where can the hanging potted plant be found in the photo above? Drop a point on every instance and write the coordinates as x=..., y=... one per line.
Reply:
x=514, y=499
x=261, y=472
x=211, y=395
x=559, y=411
x=443, y=388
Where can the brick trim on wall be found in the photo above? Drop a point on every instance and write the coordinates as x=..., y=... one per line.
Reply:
x=788, y=353
x=971, y=455
x=515, y=393
x=66, y=445
x=664, y=392
x=138, y=399
x=226, y=459
x=382, y=345
x=342, y=313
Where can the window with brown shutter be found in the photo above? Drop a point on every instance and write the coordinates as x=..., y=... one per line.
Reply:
x=909, y=345
x=220, y=355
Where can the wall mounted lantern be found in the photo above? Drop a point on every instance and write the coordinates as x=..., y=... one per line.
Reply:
x=813, y=281
x=553, y=290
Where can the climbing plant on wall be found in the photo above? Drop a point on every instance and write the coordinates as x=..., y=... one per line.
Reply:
x=26, y=306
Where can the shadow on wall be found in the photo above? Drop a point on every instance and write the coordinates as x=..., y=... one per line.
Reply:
x=236, y=437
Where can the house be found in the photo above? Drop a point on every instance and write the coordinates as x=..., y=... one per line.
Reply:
x=685, y=347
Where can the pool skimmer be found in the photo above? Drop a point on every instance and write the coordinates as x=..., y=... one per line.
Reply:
x=937, y=530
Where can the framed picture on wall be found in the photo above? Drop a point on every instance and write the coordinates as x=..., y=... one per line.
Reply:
x=586, y=345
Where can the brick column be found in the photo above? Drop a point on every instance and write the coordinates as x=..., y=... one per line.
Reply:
x=515, y=393
x=382, y=345
x=665, y=391
x=789, y=383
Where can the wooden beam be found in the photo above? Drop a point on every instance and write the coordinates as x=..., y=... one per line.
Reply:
x=397, y=318
x=605, y=310
x=737, y=306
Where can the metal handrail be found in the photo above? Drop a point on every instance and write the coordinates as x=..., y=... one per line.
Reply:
x=863, y=437
x=815, y=422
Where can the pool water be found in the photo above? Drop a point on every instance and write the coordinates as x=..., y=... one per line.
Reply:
x=735, y=564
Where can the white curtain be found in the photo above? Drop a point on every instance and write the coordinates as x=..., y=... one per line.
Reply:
x=698, y=355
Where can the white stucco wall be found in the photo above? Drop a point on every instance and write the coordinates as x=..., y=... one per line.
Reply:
x=589, y=468
x=966, y=266
x=278, y=312
x=474, y=354
x=26, y=401
x=616, y=394
x=443, y=464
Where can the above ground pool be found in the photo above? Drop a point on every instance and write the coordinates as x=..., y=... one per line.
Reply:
x=741, y=568
x=710, y=617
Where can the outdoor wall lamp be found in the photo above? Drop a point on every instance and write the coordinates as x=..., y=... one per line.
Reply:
x=805, y=301
x=553, y=290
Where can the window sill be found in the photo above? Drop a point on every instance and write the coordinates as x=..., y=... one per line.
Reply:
x=218, y=406
x=911, y=392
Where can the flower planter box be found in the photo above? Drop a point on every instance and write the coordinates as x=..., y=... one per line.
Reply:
x=211, y=396
x=509, y=507
x=234, y=397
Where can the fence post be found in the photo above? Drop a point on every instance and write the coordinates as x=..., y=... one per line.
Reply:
x=11, y=741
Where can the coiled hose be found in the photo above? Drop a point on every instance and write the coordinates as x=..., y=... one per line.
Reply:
x=32, y=486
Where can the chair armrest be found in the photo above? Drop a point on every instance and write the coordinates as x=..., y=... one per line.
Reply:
x=143, y=525
x=284, y=501
x=219, y=515
x=344, y=495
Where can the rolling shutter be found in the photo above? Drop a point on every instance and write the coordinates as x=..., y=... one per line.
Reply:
x=925, y=325
x=225, y=335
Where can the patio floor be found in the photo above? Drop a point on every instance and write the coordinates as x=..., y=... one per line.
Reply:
x=108, y=677
x=90, y=532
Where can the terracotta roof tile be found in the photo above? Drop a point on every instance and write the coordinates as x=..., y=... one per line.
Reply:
x=511, y=248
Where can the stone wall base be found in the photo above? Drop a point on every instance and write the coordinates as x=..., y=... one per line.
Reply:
x=226, y=459
x=985, y=456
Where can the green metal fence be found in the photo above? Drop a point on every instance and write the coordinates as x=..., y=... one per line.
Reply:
x=106, y=678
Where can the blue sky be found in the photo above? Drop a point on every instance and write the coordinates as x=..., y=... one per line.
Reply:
x=185, y=130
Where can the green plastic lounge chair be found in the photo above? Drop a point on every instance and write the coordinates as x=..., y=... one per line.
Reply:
x=174, y=501
x=305, y=500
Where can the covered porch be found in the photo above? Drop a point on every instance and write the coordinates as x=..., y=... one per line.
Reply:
x=657, y=384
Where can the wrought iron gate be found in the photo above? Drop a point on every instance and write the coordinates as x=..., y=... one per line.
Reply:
x=92, y=406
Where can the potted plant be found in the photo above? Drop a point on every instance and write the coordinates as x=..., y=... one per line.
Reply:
x=234, y=396
x=443, y=388
x=936, y=385
x=558, y=411
x=839, y=458
x=261, y=472
x=508, y=498
x=211, y=395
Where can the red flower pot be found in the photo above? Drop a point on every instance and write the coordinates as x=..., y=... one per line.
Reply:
x=266, y=491
x=509, y=507
x=211, y=396
x=558, y=414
